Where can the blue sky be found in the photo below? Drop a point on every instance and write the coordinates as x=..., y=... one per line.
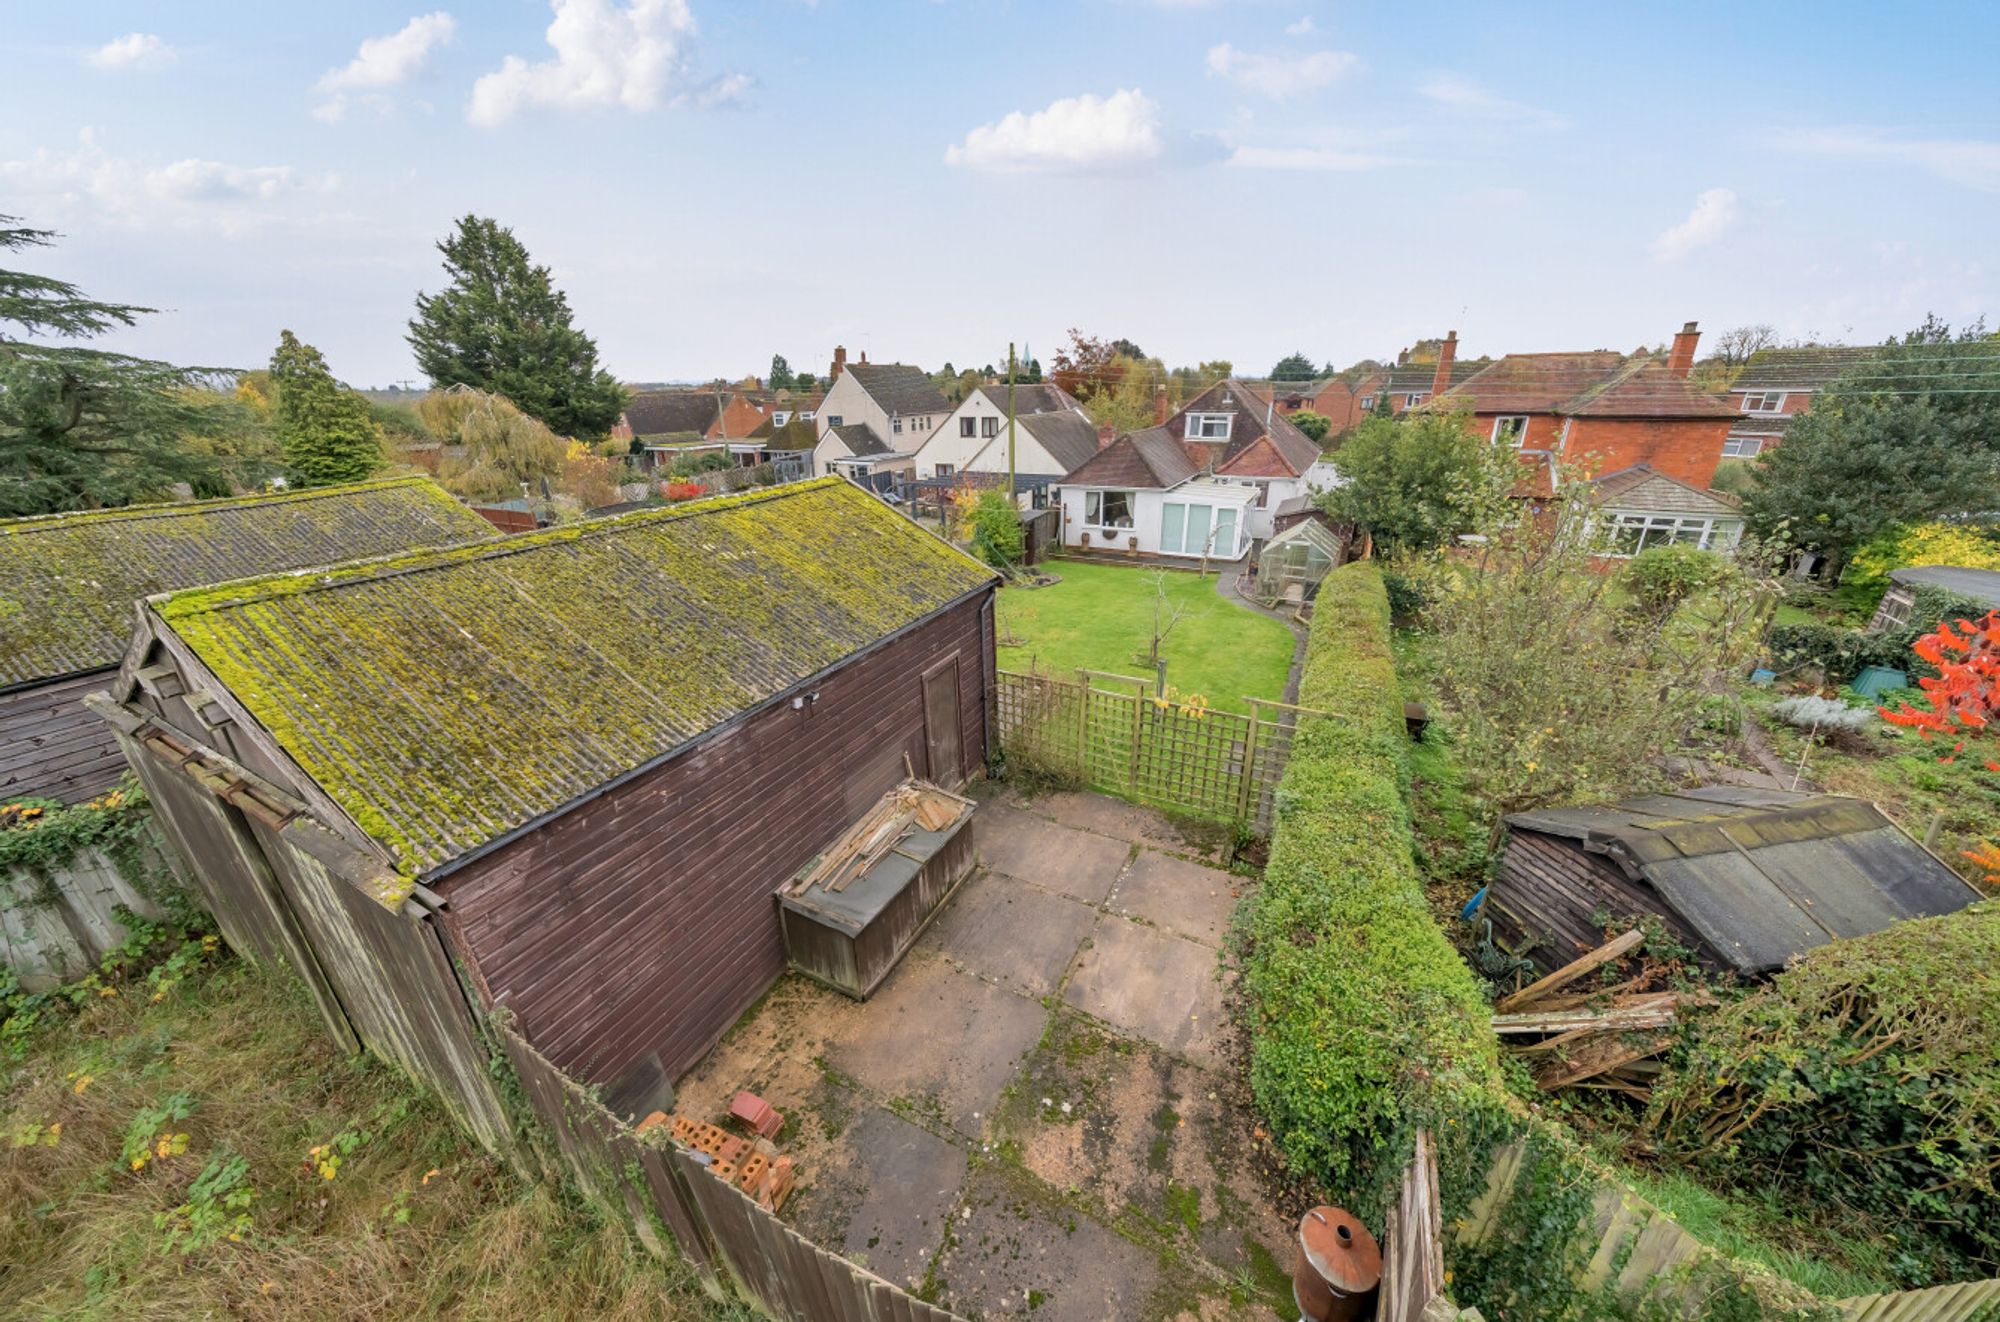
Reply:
x=715, y=182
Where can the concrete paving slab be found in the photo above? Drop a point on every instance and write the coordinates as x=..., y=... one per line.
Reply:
x=1178, y=896
x=1152, y=985
x=1130, y=821
x=882, y=1196
x=1018, y=1252
x=1019, y=844
x=1007, y=929
x=941, y=1040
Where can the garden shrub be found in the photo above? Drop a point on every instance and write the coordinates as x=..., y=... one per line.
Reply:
x=1662, y=577
x=1866, y=1077
x=1408, y=598
x=996, y=530
x=1365, y=1025
x=1809, y=711
x=1844, y=653
x=1919, y=544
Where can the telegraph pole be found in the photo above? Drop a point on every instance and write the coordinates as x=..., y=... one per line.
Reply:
x=1012, y=499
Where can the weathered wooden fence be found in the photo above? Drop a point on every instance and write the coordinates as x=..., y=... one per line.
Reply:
x=665, y=1187
x=58, y=926
x=1113, y=734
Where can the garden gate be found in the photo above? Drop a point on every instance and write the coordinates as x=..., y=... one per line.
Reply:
x=1129, y=741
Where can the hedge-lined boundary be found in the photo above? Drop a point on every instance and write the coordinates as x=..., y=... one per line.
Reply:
x=1366, y=1026
x=1364, y=1023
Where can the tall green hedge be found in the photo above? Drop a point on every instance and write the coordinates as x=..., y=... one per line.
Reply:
x=1364, y=1023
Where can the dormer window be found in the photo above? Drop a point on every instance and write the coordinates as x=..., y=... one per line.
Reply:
x=1764, y=401
x=1209, y=426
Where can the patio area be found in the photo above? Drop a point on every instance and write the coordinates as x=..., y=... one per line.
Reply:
x=1035, y=1115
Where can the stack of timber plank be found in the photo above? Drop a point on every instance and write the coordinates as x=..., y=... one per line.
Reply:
x=1605, y=1039
x=913, y=805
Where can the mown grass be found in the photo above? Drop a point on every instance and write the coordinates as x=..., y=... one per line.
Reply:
x=416, y=1222
x=1100, y=617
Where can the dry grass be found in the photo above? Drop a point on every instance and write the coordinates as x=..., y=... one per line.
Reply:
x=417, y=1222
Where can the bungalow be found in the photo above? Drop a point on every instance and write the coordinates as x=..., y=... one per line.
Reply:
x=1598, y=408
x=1238, y=436
x=981, y=417
x=572, y=777
x=1776, y=385
x=68, y=582
x=667, y=423
x=877, y=413
x=1144, y=493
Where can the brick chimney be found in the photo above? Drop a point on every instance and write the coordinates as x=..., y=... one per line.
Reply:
x=1681, y=357
x=864, y=355
x=1447, y=355
x=1105, y=435
x=839, y=362
x=1159, y=406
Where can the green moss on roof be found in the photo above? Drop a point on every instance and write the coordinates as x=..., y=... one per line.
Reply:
x=68, y=581
x=443, y=698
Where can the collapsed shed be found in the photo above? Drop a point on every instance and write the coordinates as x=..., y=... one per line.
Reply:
x=581, y=763
x=1747, y=878
x=68, y=583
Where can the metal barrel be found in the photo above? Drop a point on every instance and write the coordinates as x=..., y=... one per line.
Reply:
x=1339, y=1267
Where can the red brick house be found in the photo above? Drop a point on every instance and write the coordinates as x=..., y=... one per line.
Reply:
x=1600, y=409
x=1776, y=385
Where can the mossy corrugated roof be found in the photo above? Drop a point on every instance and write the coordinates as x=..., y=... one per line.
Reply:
x=68, y=581
x=446, y=698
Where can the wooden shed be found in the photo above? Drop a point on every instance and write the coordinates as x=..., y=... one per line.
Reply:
x=1747, y=878
x=592, y=755
x=68, y=584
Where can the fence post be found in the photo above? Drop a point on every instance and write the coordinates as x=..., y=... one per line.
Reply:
x=1246, y=791
x=1138, y=733
x=1083, y=727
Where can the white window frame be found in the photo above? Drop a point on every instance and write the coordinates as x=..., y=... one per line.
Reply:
x=1198, y=424
x=1660, y=530
x=1094, y=497
x=896, y=426
x=1742, y=447
x=1415, y=398
x=1767, y=401
x=835, y=420
x=1213, y=549
x=1520, y=437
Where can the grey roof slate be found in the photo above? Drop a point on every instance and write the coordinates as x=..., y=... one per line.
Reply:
x=1070, y=438
x=899, y=388
x=665, y=412
x=860, y=439
x=1802, y=369
x=1982, y=585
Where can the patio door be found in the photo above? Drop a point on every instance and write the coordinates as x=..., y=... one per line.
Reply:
x=941, y=735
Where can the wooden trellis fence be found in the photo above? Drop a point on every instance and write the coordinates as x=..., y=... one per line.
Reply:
x=1113, y=734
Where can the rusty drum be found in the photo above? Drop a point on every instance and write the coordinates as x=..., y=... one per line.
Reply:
x=1339, y=1267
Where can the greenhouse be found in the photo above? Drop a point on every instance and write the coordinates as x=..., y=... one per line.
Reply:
x=1292, y=563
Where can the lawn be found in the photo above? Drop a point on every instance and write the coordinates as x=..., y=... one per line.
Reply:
x=208, y=1153
x=1100, y=617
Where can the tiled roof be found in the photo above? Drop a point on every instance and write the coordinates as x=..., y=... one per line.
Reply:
x=1643, y=487
x=1644, y=388
x=899, y=388
x=860, y=439
x=1802, y=369
x=1764, y=424
x=1255, y=420
x=68, y=581
x=1152, y=458
x=1418, y=377
x=1070, y=438
x=1042, y=397
x=665, y=412
x=444, y=699
x=1530, y=382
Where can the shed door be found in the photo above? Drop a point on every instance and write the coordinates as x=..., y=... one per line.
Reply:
x=941, y=722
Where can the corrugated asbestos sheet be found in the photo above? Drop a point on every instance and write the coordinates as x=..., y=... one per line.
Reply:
x=1762, y=875
x=446, y=698
x=68, y=581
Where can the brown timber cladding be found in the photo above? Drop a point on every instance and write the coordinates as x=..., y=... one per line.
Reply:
x=1548, y=889
x=51, y=746
x=645, y=921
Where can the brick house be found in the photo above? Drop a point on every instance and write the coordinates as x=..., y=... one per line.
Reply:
x=1599, y=408
x=666, y=423
x=1776, y=385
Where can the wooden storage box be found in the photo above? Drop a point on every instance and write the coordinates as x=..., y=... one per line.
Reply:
x=851, y=939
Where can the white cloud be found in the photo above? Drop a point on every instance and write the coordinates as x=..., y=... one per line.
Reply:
x=1076, y=133
x=1280, y=76
x=1305, y=27
x=1973, y=162
x=127, y=190
x=383, y=62
x=1713, y=215
x=724, y=91
x=605, y=56
x=134, y=50
x=1305, y=158
x=1469, y=98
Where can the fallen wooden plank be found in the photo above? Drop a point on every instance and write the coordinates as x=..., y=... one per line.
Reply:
x=1571, y=971
x=1607, y=1052
x=1656, y=1015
